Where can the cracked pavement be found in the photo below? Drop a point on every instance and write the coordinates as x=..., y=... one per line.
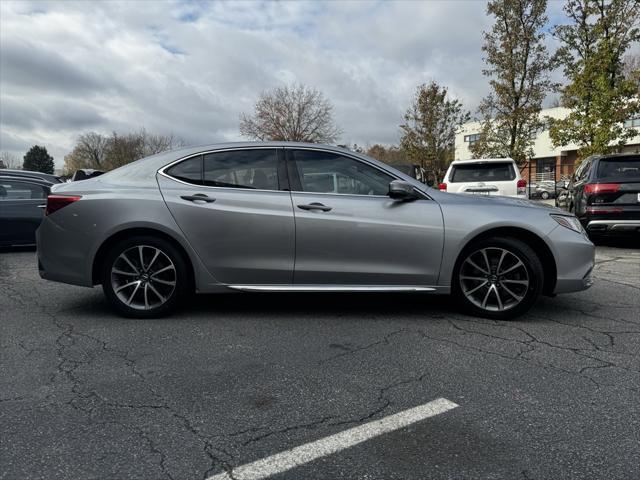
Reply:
x=234, y=378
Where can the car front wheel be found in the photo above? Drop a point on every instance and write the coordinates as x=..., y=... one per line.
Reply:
x=498, y=278
x=144, y=277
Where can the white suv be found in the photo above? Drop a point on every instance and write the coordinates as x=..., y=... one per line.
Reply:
x=486, y=176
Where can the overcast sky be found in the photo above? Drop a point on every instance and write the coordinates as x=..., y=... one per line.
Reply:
x=190, y=68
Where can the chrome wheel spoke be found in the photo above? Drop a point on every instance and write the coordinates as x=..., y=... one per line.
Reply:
x=476, y=266
x=486, y=296
x=146, y=295
x=520, y=282
x=122, y=272
x=514, y=295
x=169, y=267
x=140, y=247
x=164, y=282
x=486, y=259
x=133, y=293
x=465, y=277
x=513, y=267
x=153, y=289
x=130, y=284
x=504, y=254
x=469, y=292
x=500, y=306
x=153, y=259
x=126, y=259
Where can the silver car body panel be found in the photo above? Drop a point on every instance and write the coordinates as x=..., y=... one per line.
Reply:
x=253, y=239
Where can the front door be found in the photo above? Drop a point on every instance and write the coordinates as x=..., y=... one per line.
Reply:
x=233, y=212
x=349, y=232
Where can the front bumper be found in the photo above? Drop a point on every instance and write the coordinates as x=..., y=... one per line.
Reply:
x=575, y=258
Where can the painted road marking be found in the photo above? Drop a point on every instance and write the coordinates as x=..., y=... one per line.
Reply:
x=281, y=462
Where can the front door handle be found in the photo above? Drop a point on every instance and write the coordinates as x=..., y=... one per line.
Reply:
x=315, y=206
x=198, y=197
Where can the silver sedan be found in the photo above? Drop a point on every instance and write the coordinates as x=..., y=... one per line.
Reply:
x=301, y=218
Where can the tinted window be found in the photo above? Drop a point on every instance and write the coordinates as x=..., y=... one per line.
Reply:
x=619, y=168
x=256, y=169
x=189, y=170
x=14, y=190
x=483, y=172
x=325, y=172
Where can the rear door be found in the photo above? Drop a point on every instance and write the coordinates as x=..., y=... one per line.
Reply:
x=484, y=178
x=20, y=210
x=234, y=209
x=350, y=233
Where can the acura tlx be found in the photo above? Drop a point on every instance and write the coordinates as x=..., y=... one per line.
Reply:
x=298, y=217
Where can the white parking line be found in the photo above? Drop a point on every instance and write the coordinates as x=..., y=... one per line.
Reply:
x=281, y=462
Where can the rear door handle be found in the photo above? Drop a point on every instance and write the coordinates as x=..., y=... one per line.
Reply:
x=201, y=197
x=315, y=206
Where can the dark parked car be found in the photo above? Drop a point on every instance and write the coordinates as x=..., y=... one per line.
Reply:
x=84, y=173
x=23, y=196
x=547, y=189
x=604, y=194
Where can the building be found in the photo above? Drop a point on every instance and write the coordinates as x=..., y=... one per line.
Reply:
x=545, y=158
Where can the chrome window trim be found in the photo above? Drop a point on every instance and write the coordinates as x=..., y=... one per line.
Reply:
x=357, y=159
x=161, y=171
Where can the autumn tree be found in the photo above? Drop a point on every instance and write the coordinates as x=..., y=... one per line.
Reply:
x=37, y=159
x=392, y=155
x=602, y=89
x=518, y=65
x=431, y=124
x=294, y=113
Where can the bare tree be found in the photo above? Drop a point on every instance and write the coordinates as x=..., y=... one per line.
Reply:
x=294, y=113
x=102, y=152
x=9, y=160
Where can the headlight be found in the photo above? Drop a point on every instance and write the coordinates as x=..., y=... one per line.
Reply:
x=569, y=222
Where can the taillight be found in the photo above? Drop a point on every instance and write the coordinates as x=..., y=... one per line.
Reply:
x=522, y=183
x=595, y=188
x=56, y=202
x=442, y=187
x=522, y=186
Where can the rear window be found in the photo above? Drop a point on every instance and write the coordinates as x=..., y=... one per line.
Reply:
x=619, y=168
x=483, y=172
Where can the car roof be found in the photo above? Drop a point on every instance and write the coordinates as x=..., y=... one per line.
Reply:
x=10, y=172
x=26, y=178
x=482, y=160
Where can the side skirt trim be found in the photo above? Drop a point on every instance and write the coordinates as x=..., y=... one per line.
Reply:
x=332, y=288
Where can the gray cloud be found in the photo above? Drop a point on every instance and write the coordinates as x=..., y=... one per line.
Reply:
x=191, y=68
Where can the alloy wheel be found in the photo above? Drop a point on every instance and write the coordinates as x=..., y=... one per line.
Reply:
x=143, y=277
x=494, y=279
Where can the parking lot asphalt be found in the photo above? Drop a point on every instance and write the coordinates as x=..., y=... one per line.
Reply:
x=232, y=379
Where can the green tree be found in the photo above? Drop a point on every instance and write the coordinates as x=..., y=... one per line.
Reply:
x=37, y=159
x=518, y=65
x=430, y=128
x=602, y=91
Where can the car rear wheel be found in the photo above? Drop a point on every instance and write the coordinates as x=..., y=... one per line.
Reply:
x=144, y=277
x=544, y=195
x=498, y=278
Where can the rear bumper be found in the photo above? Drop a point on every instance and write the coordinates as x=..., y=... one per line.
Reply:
x=613, y=226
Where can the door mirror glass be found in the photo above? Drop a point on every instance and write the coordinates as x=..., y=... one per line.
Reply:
x=401, y=190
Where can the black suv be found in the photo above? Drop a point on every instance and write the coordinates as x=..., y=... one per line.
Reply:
x=604, y=193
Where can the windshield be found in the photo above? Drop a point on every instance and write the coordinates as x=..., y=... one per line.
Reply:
x=483, y=172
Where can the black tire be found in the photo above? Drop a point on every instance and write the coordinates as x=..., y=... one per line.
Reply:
x=530, y=271
x=170, y=259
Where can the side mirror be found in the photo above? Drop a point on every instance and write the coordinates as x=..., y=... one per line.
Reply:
x=400, y=190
